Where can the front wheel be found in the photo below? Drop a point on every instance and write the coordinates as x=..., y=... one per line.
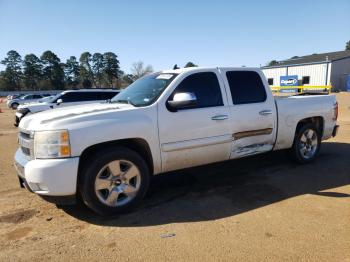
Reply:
x=307, y=144
x=114, y=181
x=14, y=106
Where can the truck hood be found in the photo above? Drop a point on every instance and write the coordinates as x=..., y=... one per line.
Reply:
x=64, y=117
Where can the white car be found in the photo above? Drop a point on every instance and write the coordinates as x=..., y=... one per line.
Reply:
x=165, y=121
x=14, y=103
x=66, y=98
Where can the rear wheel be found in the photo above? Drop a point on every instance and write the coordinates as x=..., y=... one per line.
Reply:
x=115, y=181
x=307, y=144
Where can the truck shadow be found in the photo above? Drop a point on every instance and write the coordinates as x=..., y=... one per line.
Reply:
x=226, y=189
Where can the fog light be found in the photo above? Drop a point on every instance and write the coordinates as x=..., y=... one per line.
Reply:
x=38, y=187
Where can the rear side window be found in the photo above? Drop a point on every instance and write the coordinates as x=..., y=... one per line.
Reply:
x=246, y=87
x=107, y=95
x=71, y=97
x=205, y=86
x=89, y=96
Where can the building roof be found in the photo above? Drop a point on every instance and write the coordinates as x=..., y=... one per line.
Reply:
x=314, y=58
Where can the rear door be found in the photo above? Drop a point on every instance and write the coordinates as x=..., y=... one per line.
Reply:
x=199, y=135
x=253, y=112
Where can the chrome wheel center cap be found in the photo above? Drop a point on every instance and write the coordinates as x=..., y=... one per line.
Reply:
x=116, y=182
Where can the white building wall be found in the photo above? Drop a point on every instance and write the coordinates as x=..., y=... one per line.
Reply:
x=316, y=72
x=275, y=74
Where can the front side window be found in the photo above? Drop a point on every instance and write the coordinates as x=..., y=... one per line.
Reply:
x=246, y=87
x=145, y=91
x=205, y=86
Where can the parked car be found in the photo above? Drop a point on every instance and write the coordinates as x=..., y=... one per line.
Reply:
x=42, y=100
x=13, y=96
x=66, y=98
x=14, y=103
x=166, y=121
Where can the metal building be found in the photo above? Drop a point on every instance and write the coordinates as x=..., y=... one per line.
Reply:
x=315, y=71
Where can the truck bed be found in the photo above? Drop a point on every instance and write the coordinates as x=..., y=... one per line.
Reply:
x=292, y=109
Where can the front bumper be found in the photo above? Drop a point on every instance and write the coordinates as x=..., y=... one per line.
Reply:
x=18, y=117
x=50, y=177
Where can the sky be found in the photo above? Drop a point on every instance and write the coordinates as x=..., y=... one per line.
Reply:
x=164, y=33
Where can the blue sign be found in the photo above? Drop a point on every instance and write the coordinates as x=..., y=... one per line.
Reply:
x=348, y=84
x=289, y=80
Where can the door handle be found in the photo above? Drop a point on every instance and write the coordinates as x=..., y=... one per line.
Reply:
x=220, y=117
x=265, y=112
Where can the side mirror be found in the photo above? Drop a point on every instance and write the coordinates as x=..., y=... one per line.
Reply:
x=59, y=101
x=182, y=101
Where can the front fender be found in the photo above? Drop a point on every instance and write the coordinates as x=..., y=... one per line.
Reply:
x=114, y=126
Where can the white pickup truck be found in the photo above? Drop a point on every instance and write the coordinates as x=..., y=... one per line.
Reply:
x=169, y=120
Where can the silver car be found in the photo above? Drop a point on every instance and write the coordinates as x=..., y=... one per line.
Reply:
x=14, y=103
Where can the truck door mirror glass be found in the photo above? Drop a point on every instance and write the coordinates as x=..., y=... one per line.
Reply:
x=182, y=101
x=59, y=101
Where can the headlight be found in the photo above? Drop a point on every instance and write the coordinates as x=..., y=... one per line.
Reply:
x=51, y=144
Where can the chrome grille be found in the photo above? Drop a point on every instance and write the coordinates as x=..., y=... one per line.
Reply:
x=26, y=143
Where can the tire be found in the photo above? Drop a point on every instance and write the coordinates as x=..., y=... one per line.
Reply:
x=307, y=144
x=114, y=181
x=14, y=106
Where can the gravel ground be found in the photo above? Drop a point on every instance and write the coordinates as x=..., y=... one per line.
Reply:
x=263, y=208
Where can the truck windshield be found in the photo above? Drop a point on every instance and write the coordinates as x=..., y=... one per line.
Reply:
x=145, y=90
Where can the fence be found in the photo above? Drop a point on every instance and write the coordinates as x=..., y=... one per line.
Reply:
x=51, y=92
x=301, y=89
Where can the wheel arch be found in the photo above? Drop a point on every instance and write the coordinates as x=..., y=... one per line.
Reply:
x=13, y=103
x=318, y=121
x=138, y=145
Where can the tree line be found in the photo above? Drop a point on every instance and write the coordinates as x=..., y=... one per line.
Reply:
x=47, y=72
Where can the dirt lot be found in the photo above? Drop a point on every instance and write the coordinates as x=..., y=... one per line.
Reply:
x=260, y=208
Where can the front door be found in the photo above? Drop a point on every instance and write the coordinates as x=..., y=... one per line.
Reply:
x=199, y=135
